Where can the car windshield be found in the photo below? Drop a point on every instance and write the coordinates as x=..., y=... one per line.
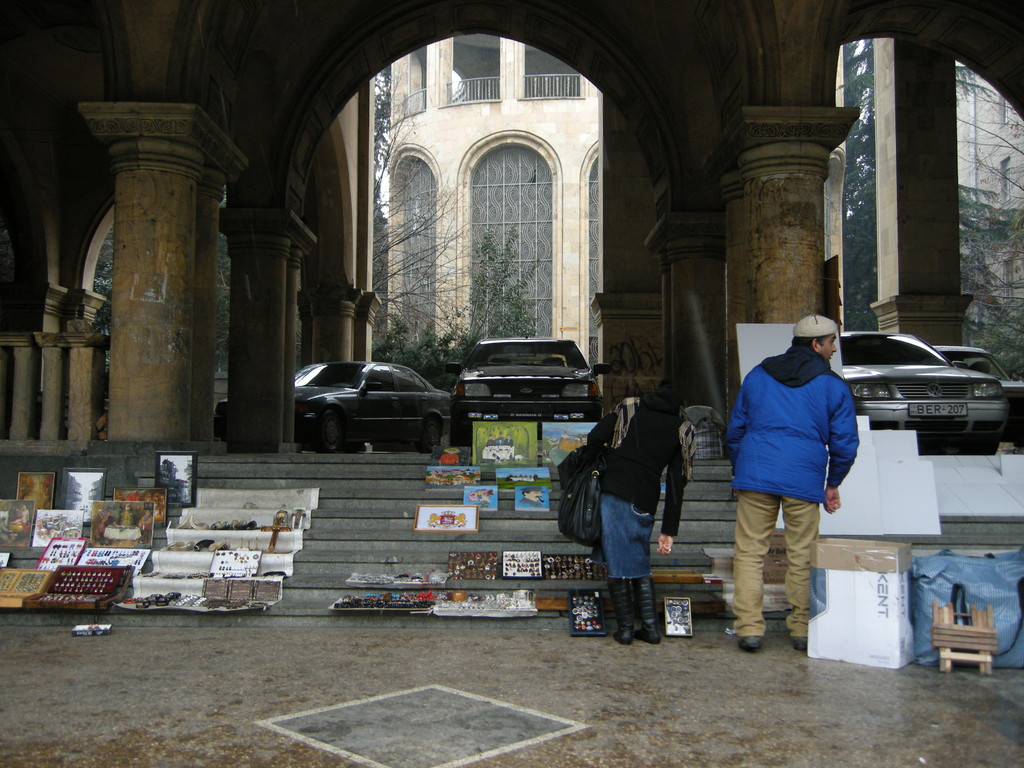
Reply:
x=329, y=375
x=976, y=361
x=561, y=353
x=888, y=350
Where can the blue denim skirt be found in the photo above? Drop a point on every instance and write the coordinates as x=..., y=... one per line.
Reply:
x=625, y=545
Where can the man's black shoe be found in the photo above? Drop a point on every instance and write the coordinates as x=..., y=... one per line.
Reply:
x=750, y=643
x=799, y=643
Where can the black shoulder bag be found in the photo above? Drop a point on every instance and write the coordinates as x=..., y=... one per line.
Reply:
x=579, y=512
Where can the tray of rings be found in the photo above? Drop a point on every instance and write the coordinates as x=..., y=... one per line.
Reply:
x=579, y=567
x=218, y=594
x=83, y=587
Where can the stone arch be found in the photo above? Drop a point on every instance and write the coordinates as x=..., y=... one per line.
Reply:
x=985, y=37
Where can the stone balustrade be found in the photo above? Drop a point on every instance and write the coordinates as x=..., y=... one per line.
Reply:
x=53, y=385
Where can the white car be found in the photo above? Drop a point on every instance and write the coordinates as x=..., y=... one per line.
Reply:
x=977, y=359
x=900, y=382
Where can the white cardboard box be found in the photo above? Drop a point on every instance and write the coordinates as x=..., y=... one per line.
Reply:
x=860, y=603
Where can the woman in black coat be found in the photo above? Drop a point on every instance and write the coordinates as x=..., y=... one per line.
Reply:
x=644, y=437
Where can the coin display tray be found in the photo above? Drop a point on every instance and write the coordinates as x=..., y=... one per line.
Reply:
x=19, y=584
x=586, y=613
x=386, y=601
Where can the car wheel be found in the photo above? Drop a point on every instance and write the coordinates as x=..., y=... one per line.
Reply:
x=330, y=432
x=430, y=436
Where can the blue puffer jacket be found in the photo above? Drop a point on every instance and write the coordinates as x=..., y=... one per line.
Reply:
x=783, y=437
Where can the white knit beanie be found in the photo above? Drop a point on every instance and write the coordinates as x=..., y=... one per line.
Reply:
x=813, y=326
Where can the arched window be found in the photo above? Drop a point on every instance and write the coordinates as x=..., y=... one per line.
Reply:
x=512, y=194
x=415, y=243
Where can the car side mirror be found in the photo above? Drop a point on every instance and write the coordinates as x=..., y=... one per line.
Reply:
x=959, y=364
x=453, y=367
x=371, y=386
x=600, y=368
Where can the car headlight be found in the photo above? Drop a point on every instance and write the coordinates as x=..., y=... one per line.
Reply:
x=574, y=390
x=988, y=389
x=871, y=391
x=476, y=389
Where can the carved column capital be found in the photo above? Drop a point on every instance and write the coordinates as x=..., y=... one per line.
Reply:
x=162, y=136
x=688, y=235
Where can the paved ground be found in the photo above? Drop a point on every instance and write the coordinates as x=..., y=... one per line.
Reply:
x=170, y=698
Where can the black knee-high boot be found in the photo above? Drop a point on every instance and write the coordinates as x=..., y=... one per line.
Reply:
x=621, y=591
x=648, y=631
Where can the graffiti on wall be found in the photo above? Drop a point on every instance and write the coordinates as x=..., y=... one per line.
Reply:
x=636, y=368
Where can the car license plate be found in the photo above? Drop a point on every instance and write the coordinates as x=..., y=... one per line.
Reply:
x=938, y=409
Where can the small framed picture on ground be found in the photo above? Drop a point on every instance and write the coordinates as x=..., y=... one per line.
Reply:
x=447, y=517
x=177, y=471
x=678, y=621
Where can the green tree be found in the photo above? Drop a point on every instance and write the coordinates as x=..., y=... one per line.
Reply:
x=497, y=305
x=860, y=261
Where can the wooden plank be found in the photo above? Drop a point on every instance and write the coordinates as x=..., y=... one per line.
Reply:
x=676, y=576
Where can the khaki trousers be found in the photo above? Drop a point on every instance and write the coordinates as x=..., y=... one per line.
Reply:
x=756, y=514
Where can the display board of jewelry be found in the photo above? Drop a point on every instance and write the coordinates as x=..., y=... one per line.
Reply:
x=19, y=584
x=258, y=504
x=521, y=564
x=586, y=613
x=432, y=578
x=408, y=602
x=81, y=587
x=473, y=565
x=492, y=605
x=577, y=567
x=203, y=593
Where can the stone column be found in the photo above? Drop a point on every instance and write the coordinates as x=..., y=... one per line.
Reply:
x=334, y=309
x=24, y=387
x=260, y=246
x=53, y=375
x=632, y=343
x=303, y=240
x=737, y=283
x=157, y=153
x=783, y=155
x=917, y=194
x=86, y=378
x=692, y=245
x=365, y=319
x=210, y=192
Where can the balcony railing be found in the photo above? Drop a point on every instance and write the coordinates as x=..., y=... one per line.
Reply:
x=551, y=87
x=416, y=102
x=475, y=89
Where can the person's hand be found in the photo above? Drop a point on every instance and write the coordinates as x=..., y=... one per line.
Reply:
x=664, y=544
x=832, y=502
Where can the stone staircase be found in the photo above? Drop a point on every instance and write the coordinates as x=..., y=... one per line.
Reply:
x=364, y=523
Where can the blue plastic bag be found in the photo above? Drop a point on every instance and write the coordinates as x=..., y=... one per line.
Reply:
x=996, y=580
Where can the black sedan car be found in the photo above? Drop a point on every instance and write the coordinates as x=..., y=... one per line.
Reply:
x=338, y=405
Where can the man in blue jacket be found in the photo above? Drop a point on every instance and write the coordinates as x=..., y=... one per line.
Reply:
x=792, y=439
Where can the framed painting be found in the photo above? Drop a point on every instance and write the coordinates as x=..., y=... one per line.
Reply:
x=449, y=476
x=532, y=498
x=16, y=521
x=484, y=496
x=678, y=618
x=37, y=487
x=177, y=472
x=81, y=486
x=512, y=443
x=433, y=518
x=121, y=524
x=450, y=455
x=559, y=438
x=156, y=495
x=509, y=477
x=57, y=524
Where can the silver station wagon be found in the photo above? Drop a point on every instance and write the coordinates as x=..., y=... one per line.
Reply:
x=900, y=382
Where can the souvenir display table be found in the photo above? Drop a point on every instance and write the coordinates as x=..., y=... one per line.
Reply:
x=20, y=584
x=76, y=587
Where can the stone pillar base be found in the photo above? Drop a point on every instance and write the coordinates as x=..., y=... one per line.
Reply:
x=936, y=319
